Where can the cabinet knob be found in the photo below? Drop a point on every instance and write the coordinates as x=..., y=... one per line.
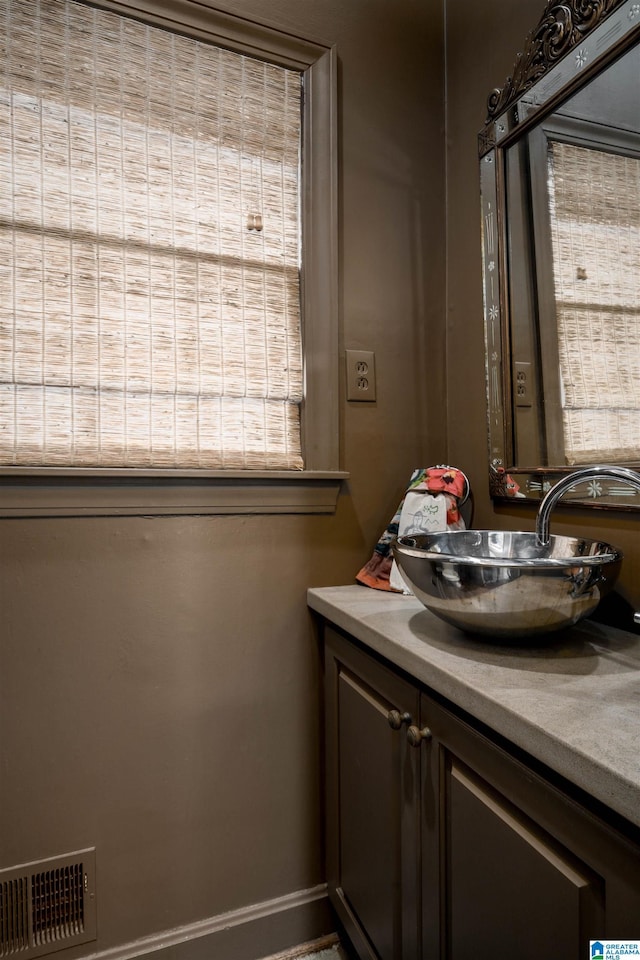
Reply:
x=396, y=719
x=415, y=736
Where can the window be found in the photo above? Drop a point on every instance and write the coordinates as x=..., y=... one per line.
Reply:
x=594, y=201
x=585, y=190
x=163, y=195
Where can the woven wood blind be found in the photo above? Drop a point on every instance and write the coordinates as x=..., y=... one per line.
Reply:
x=149, y=247
x=595, y=217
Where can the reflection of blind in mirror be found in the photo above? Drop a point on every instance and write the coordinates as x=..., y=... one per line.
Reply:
x=150, y=247
x=594, y=201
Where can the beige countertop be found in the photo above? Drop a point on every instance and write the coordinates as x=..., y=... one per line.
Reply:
x=572, y=702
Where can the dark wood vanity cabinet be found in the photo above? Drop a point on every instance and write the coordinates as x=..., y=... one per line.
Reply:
x=444, y=843
x=373, y=803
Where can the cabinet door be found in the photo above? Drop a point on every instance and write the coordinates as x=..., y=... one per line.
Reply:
x=526, y=871
x=373, y=821
x=511, y=883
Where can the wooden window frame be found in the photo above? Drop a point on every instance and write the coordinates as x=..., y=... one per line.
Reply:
x=60, y=491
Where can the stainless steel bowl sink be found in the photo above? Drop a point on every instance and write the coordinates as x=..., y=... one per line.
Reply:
x=507, y=584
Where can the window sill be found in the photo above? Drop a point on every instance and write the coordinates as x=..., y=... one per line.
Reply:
x=51, y=492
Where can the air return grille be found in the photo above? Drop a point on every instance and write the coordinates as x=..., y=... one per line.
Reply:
x=47, y=905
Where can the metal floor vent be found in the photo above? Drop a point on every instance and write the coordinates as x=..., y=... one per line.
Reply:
x=48, y=905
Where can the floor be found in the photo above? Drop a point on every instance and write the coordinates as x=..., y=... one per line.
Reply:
x=330, y=953
x=328, y=948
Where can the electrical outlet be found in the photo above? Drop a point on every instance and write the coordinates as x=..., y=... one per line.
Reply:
x=361, y=375
x=522, y=383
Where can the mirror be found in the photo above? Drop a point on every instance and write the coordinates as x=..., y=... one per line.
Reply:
x=560, y=185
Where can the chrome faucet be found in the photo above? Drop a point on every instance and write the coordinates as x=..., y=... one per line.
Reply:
x=561, y=487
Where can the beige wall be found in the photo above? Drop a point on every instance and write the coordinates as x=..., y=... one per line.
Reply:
x=481, y=43
x=482, y=40
x=158, y=677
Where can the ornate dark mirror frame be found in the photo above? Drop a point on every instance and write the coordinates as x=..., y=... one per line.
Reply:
x=573, y=42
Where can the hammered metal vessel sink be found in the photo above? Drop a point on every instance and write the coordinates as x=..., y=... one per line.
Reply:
x=507, y=584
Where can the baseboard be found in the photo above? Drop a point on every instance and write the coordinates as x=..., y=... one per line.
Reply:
x=250, y=933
